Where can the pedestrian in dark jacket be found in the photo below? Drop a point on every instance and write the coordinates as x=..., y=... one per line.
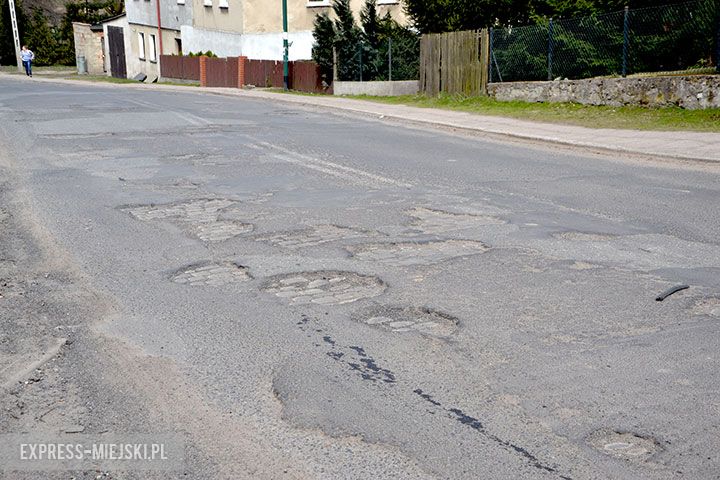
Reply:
x=27, y=57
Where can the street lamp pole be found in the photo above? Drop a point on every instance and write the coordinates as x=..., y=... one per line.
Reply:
x=286, y=69
x=16, y=35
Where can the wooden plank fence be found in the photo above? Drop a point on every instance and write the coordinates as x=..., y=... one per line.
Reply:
x=455, y=63
x=235, y=72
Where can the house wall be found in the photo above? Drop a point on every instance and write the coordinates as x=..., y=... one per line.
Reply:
x=145, y=65
x=89, y=44
x=253, y=28
x=208, y=15
x=261, y=16
x=265, y=46
x=172, y=14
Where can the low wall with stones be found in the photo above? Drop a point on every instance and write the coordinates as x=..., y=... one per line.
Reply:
x=691, y=92
x=376, y=89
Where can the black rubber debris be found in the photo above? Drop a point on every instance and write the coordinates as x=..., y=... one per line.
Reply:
x=670, y=291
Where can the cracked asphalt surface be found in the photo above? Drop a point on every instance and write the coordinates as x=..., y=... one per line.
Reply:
x=303, y=295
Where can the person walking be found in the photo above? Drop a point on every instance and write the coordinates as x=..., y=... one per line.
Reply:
x=27, y=57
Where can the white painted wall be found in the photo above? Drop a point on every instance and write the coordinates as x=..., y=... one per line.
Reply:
x=257, y=46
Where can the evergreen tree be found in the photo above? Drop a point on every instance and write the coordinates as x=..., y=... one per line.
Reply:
x=370, y=23
x=347, y=41
x=41, y=39
x=322, y=50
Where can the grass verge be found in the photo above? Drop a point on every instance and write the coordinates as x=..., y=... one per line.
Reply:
x=627, y=117
x=631, y=118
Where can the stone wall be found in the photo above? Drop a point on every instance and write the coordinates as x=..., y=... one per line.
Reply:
x=376, y=89
x=691, y=92
x=89, y=44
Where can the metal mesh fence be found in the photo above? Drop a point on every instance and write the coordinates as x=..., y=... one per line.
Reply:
x=681, y=37
x=396, y=58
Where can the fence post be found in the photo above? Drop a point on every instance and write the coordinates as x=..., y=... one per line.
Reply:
x=550, y=48
x=241, y=71
x=626, y=40
x=390, y=59
x=203, y=71
x=490, y=67
x=335, y=65
x=717, y=43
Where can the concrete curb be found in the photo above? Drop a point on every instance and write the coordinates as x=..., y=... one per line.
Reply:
x=687, y=146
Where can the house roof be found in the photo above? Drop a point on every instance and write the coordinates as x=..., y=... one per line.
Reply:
x=95, y=27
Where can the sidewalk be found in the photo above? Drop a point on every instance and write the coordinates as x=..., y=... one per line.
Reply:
x=677, y=145
x=702, y=146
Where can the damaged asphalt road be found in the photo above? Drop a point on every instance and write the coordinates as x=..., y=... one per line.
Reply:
x=301, y=295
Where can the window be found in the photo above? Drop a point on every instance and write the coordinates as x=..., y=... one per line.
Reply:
x=223, y=4
x=178, y=46
x=318, y=3
x=152, y=53
x=141, y=46
x=207, y=3
x=181, y=2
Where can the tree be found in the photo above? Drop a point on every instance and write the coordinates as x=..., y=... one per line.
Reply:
x=435, y=16
x=347, y=40
x=42, y=39
x=370, y=23
x=322, y=50
x=369, y=44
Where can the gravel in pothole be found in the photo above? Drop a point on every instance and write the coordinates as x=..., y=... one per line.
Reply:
x=312, y=236
x=438, y=221
x=584, y=236
x=416, y=253
x=325, y=287
x=410, y=319
x=221, y=230
x=211, y=274
x=707, y=306
x=625, y=445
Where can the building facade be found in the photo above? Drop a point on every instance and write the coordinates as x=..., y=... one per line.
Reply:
x=147, y=42
x=89, y=44
x=253, y=28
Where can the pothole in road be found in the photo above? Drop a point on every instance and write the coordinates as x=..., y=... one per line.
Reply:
x=211, y=274
x=410, y=319
x=325, y=287
x=438, y=221
x=624, y=445
x=221, y=230
x=313, y=236
x=707, y=306
x=201, y=216
x=584, y=236
x=197, y=210
x=416, y=253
